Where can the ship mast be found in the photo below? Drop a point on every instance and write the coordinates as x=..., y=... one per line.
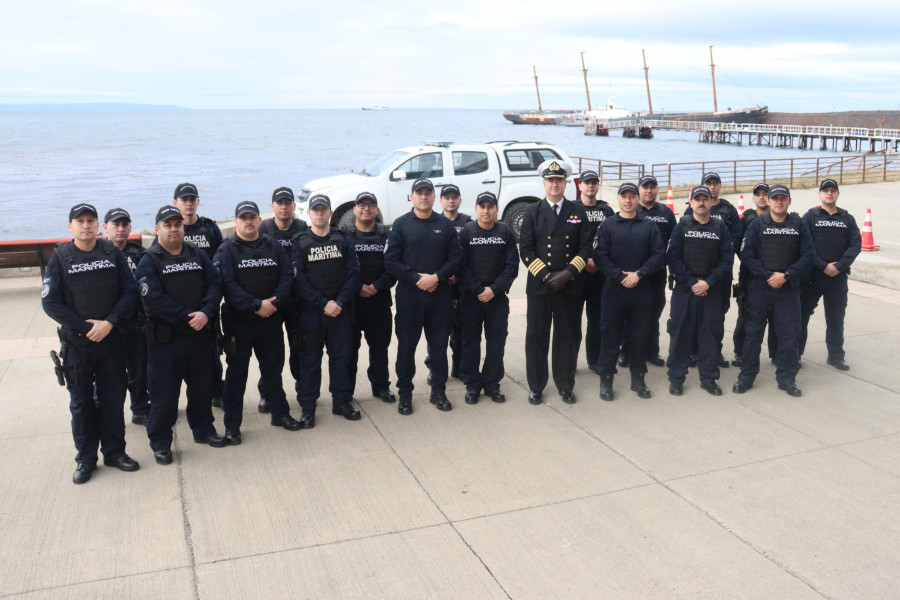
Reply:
x=713, y=67
x=537, y=88
x=586, y=91
x=647, y=79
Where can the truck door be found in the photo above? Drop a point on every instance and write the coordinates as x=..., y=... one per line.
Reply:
x=474, y=172
x=428, y=165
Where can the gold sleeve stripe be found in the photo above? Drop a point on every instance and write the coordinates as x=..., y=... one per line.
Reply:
x=536, y=266
x=578, y=263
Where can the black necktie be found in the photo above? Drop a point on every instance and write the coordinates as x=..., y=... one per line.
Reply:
x=556, y=209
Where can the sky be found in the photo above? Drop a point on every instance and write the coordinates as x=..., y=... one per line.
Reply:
x=216, y=54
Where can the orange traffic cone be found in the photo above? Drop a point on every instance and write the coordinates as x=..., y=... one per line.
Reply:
x=670, y=200
x=868, y=240
x=741, y=207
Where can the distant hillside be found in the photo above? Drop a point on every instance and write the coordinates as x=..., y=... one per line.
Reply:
x=89, y=106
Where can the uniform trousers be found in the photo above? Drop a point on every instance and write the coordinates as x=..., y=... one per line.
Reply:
x=563, y=311
x=419, y=311
x=292, y=327
x=136, y=364
x=493, y=318
x=634, y=308
x=186, y=357
x=244, y=337
x=335, y=334
x=833, y=292
x=695, y=317
x=782, y=309
x=593, y=292
x=97, y=422
x=372, y=317
x=657, y=283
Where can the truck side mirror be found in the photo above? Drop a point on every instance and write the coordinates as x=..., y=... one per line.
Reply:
x=398, y=175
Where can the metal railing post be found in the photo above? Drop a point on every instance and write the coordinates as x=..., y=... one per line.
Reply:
x=864, y=168
x=792, y=173
x=734, y=181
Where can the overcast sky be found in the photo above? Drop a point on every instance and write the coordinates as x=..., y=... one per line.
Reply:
x=791, y=56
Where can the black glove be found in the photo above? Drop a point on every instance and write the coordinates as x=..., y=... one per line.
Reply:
x=560, y=279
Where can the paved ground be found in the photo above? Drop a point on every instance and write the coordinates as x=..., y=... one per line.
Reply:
x=754, y=496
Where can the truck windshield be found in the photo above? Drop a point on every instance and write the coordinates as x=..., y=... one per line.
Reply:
x=383, y=164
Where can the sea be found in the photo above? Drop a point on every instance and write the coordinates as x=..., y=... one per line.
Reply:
x=52, y=159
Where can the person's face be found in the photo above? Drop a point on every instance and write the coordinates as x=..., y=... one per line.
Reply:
x=486, y=213
x=170, y=231
x=450, y=202
x=366, y=212
x=589, y=188
x=627, y=201
x=118, y=231
x=187, y=205
x=700, y=206
x=84, y=227
x=422, y=199
x=761, y=199
x=649, y=192
x=320, y=215
x=778, y=205
x=284, y=209
x=247, y=226
x=829, y=196
x=554, y=187
x=714, y=186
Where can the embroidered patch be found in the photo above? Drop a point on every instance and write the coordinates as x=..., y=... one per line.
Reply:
x=145, y=289
x=45, y=290
x=574, y=220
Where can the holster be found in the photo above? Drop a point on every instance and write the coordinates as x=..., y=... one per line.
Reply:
x=58, y=367
x=158, y=333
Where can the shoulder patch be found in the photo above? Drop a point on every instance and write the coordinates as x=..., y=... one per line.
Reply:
x=45, y=290
x=145, y=289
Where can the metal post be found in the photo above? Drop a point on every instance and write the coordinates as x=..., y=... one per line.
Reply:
x=841, y=176
x=533, y=68
x=647, y=79
x=734, y=183
x=864, y=169
x=792, y=172
x=713, y=67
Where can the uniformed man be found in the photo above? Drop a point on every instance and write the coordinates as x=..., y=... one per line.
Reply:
x=371, y=309
x=723, y=209
x=596, y=210
x=181, y=291
x=256, y=282
x=89, y=290
x=700, y=258
x=555, y=245
x=450, y=201
x=761, y=205
x=778, y=250
x=422, y=253
x=490, y=264
x=837, y=243
x=327, y=280
x=117, y=225
x=283, y=227
x=628, y=250
x=205, y=234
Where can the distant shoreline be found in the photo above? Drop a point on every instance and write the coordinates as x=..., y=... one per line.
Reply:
x=124, y=106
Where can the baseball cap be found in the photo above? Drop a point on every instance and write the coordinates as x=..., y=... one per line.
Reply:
x=186, y=189
x=450, y=189
x=761, y=186
x=779, y=189
x=366, y=197
x=116, y=214
x=648, y=179
x=245, y=207
x=318, y=200
x=550, y=169
x=627, y=187
x=82, y=208
x=700, y=190
x=420, y=184
x=709, y=176
x=486, y=197
x=827, y=183
x=167, y=212
x=283, y=193
x=589, y=176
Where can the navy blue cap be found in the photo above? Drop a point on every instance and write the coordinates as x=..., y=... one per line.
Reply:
x=708, y=176
x=646, y=179
x=244, y=207
x=700, y=190
x=827, y=183
x=117, y=214
x=366, y=197
x=283, y=193
x=186, y=189
x=319, y=200
x=627, y=187
x=420, y=184
x=589, y=176
x=167, y=212
x=486, y=197
x=450, y=189
x=760, y=186
x=779, y=189
x=82, y=208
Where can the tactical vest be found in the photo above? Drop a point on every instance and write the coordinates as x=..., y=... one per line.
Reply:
x=324, y=261
x=659, y=219
x=286, y=237
x=133, y=253
x=256, y=270
x=201, y=235
x=462, y=219
x=182, y=276
x=831, y=236
x=90, y=279
x=701, y=245
x=779, y=243
x=487, y=252
x=598, y=213
x=370, y=251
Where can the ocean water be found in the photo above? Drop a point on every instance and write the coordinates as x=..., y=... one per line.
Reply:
x=52, y=159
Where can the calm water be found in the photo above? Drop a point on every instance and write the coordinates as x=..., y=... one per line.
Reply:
x=50, y=160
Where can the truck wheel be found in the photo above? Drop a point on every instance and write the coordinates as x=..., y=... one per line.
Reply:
x=344, y=216
x=514, y=215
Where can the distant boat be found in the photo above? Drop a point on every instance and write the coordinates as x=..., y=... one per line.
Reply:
x=376, y=108
x=531, y=118
x=607, y=113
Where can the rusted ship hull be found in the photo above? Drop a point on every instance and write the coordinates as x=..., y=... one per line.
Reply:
x=869, y=119
x=745, y=115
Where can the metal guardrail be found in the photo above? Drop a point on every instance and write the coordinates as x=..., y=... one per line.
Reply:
x=811, y=130
x=609, y=169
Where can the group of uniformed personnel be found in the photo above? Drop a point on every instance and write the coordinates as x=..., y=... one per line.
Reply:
x=328, y=287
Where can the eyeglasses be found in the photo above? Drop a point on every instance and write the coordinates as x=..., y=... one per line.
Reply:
x=367, y=205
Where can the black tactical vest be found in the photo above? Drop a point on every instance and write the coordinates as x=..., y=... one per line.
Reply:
x=324, y=261
x=779, y=243
x=597, y=213
x=658, y=217
x=182, y=276
x=256, y=270
x=701, y=245
x=201, y=235
x=286, y=237
x=487, y=252
x=831, y=235
x=133, y=253
x=370, y=251
x=90, y=279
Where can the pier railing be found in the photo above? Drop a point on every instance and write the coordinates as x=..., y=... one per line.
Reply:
x=609, y=169
x=810, y=130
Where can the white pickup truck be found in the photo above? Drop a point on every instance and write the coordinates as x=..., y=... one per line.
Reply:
x=507, y=168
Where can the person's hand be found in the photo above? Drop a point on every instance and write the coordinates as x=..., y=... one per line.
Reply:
x=332, y=309
x=452, y=280
x=700, y=288
x=367, y=290
x=99, y=330
x=776, y=280
x=590, y=267
x=831, y=270
x=631, y=279
x=198, y=320
x=267, y=308
x=427, y=283
x=487, y=295
x=560, y=279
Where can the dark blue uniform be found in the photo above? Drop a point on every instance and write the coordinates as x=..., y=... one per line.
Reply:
x=490, y=259
x=697, y=251
x=593, y=288
x=136, y=343
x=172, y=287
x=837, y=240
x=743, y=288
x=98, y=285
x=326, y=269
x=627, y=245
x=770, y=247
x=372, y=316
x=456, y=332
x=422, y=246
x=253, y=271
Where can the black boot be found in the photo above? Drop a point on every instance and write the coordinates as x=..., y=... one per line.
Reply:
x=638, y=385
x=606, y=389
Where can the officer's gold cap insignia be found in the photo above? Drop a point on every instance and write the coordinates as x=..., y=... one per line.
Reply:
x=554, y=166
